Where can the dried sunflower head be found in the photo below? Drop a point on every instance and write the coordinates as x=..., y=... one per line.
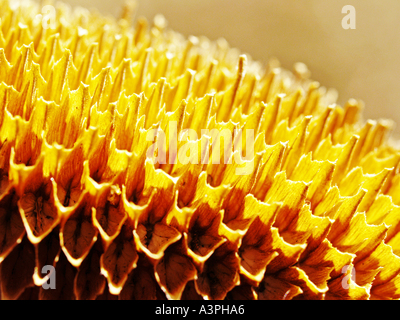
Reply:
x=139, y=164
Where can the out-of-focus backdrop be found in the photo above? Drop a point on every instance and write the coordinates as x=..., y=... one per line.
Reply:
x=361, y=63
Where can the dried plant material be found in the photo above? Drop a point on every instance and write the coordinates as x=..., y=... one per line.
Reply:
x=13, y=277
x=174, y=270
x=89, y=282
x=12, y=228
x=138, y=164
x=119, y=259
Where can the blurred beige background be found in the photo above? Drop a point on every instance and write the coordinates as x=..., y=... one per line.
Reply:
x=363, y=63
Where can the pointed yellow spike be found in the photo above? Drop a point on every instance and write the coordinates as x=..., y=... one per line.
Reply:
x=229, y=97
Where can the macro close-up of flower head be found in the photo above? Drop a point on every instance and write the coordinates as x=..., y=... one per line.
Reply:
x=137, y=163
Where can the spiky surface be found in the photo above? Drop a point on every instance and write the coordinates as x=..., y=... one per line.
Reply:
x=79, y=191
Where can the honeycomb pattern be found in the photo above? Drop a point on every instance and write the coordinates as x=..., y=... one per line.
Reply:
x=83, y=188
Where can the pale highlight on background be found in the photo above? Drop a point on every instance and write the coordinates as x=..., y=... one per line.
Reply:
x=361, y=63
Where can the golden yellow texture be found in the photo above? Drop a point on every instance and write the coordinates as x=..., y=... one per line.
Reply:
x=79, y=190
